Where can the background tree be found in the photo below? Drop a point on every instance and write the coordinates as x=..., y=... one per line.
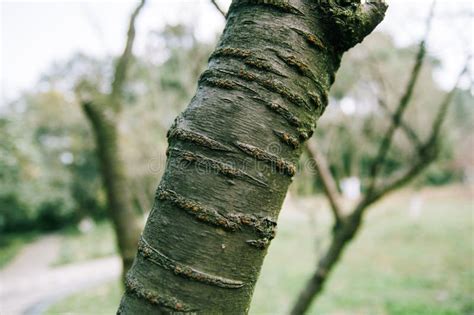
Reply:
x=356, y=119
x=347, y=223
x=267, y=81
x=103, y=112
x=54, y=163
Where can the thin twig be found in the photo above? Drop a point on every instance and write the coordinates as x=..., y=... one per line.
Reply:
x=216, y=5
x=410, y=133
x=404, y=101
x=124, y=60
x=327, y=179
x=382, y=102
x=448, y=99
x=428, y=151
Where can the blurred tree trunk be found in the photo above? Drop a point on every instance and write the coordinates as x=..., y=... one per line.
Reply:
x=232, y=153
x=126, y=222
x=103, y=113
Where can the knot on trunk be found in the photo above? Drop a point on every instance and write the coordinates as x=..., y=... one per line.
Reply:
x=347, y=22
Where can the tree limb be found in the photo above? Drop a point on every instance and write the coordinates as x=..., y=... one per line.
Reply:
x=444, y=105
x=402, y=105
x=410, y=133
x=124, y=60
x=427, y=152
x=382, y=102
x=216, y=5
x=328, y=181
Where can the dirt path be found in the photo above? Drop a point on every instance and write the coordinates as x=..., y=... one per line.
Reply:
x=28, y=285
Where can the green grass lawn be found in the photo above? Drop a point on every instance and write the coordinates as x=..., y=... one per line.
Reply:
x=396, y=265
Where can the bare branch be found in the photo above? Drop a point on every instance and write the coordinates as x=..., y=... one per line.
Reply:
x=382, y=102
x=407, y=177
x=427, y=152
x=216, y=5
x=410, y=133
x=124, y=60
x=402, y=105
x=444, y=105
x=328, y=181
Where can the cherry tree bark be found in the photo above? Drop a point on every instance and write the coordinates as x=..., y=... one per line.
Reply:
x=233, y=152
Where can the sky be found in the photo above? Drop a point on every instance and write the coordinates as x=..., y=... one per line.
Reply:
x=36, y=33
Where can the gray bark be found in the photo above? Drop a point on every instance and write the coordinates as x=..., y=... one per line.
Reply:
x=233, y=152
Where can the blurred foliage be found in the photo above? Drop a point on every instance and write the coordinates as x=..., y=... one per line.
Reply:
x=48, y=169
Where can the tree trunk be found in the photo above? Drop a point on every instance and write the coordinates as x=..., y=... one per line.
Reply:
x=341, y=238
x=125, y=221
x=233, y=152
